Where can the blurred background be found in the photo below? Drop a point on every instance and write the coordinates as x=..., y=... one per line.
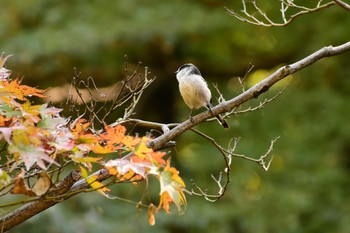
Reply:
x=307, y=187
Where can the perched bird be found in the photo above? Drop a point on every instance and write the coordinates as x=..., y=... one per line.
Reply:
x=194, y=90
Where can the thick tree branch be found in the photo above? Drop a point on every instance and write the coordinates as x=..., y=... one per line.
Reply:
x=253, y=92
x=342, y=4
x=32, y=208
x=69, y=187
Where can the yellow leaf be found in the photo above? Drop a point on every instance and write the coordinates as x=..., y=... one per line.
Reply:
x=141, y=149
x=94, y=183
x=174, y=174
x=85, y=159
x=31, y=111
x=130, y=141
x=84, y=173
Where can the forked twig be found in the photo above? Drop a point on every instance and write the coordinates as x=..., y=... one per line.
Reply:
x=260, y=18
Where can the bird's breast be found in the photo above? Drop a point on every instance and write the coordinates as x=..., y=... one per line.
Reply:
x=194, y=91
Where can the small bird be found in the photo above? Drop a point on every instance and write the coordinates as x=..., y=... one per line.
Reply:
x=194, y=90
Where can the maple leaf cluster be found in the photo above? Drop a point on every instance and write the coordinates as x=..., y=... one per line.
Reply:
x=36, y=139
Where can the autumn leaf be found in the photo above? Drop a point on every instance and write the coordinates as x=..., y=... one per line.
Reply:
x=5, y=121
x=123, y=166
x=43, y=184
x=82, y=137
x=98, y=149
x=142, y=153
x=46, y=111
x=13, y=89
x=155, y=158
x=130, y=141
x=171, y=189
x=85, y=160
x=4, y=73
x=94, y=183
x=110, y=140
x=141, y=149
x=20, y=187
x=165, y=202
x=114, y=139
x=3, y=60
x=114, y=134
x=5, y=179
x=30, y=111
x=7, y=132
x=151, y=211
x=79, y=128
x=27, y=143
x=79, y=125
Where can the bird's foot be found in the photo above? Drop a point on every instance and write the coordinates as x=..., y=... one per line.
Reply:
x=191, y=119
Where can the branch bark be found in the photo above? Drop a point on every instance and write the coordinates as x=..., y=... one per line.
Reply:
x=342, y=4
x=261, y=87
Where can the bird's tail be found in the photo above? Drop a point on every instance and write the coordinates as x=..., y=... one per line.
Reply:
x=222, y=121
x=219, y=118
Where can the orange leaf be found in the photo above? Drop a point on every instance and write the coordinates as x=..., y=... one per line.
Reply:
x=171, y=188
x=5, y=121
x=165, y=201
x=14, y=89
x=98, y=149
x=21, y=187
x=151, y=210
x=110, y=141
x=114, y=135
x=112, y=170
x=78, y=127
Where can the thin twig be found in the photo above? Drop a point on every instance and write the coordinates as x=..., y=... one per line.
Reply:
x=285, y=6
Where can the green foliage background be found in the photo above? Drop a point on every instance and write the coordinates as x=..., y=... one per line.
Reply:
x=307, y=187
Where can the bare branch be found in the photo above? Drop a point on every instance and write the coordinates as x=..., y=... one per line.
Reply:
x=263, y=20
x=342, y=4
x=241, y=80
x=261, y=104
x=227, y=154
x=251, y=93
x=147, y=124
x=126, y=94
x=38, y=205
x=261, y=160
x=222, y=185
